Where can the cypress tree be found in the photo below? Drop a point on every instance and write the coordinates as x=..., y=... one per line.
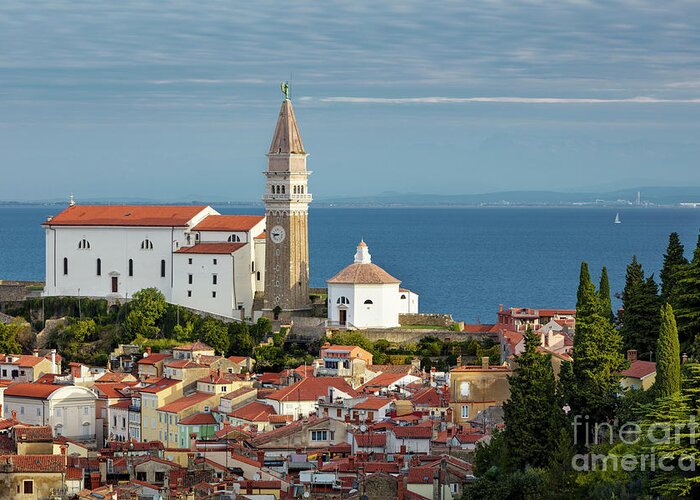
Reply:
x=687, y=298
x=674, y=261
x=668, y=365
x=640, y=315
x=533, y=416
x=604, y=293
x=597, y=357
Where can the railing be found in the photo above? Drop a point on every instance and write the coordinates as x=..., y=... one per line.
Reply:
x=340, y=326
x=306, y=198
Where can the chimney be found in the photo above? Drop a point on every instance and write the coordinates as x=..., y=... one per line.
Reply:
x=190, y=461
x=403, y=449
x=193, y=441
x=632, y=355
x=261, y=457
x=36, y=353
x=319, y=462
x=500, y=307
x=485, y=362
x=351, y=461
x=147, y=353
x=63, y=454
x=14, y=414
x=54, y=370
x=684, y=358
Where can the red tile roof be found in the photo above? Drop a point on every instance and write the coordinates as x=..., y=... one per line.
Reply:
x=113, y=390
x=238, y=359
x=33, y=434
x=23, y=360
x=287, y=430
x=153, y=358
x=195, y=346
x=245, y=460
x=405, y=369
x=638, y=369
x=125, y=215
x=183, y=363
x=159, y=385
x=253, y=412
x=112, y=377
x=186, y=401
x=469, y=438
x=365, y=274
x=311, y=388
x=420, y=475
x=261, y=236
x=412, y=432
x=222, y=378
x=372, y=403
x=427, y=396
x=199, y=419
x=29, y=390
x=212, y=248
x=382, y=380
x=371, y=440
x=34, y=463
x=229, y=222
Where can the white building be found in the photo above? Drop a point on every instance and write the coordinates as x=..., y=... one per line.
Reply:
x=363, y=295
x=68, y=409
x=196, y=257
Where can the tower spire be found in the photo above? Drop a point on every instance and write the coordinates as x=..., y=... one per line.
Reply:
x=286, y=139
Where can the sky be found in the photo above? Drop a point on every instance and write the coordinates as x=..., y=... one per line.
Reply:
x=177, y=101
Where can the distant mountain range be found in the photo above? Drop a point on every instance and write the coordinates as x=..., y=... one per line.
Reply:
x=659, y=196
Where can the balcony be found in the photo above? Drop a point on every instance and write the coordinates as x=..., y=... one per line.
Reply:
x=294, y=198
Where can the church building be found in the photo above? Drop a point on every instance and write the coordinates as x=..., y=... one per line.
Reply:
x=228, y=265
x=363, y=295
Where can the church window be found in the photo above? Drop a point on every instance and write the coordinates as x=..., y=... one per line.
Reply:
x=146, y=244
x=258, y=275
x=214, y=261
x=84, y=244
x=282, y=189
x=214, y=278
x=189, y=293
x=403, y=297
x=189, y=261
x=99, y=267
x=213, y=294
x=234, y=238
x=65, y=265
x=252, y=267
x=343, y=300
x=368, y=301
x=131, y=267
x=189, y=279
x=162, y=268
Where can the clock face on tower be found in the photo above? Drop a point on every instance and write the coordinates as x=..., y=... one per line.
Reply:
x=277, y=234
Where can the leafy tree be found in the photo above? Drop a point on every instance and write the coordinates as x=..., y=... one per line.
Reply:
x=352, y=338
x=687, y=298
x=8, y=337
x=261, y=330
x=147, y=307
x=597, y=358
x=674, y=260
x=532, y=415
x=604, y=293
x=241, y=342
x=640, y=317
x=668, y=365
x=80, y=331
x=214, y=333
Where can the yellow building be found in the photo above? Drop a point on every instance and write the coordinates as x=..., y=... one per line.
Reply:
x=31, y=476
x=640, y=375
x=160, y=393
x=170, y=414
x=475, y=388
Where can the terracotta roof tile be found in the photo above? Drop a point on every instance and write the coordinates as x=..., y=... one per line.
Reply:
x=30, y=390
x=199, y=419
x=371, y=440
x=195, y=346
x=311, y=388
x=412, y=432
x=153, y=358
x=372, y=403
x=186, y=401
x=253, y=412
x=638, y=369
x=212, y=248
x=34, y=463
x=229, y=222
x=364, y=274
x=33, y=434
x=126, y=215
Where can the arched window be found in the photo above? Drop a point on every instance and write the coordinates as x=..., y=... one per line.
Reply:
x=84, y=244
x=65, y=265
x=131, y=267
x=99, y=267
x=282, y=189
x=162, y=268
x=403, y=297
x=368, y=301
x=272, y=189
x=234, y=238
x=343, y=300
x=277, y=189
x=146, y=244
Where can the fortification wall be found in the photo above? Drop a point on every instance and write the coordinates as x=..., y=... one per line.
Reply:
x=420, y=319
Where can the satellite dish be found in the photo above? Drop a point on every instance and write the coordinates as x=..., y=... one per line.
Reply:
x=363, y=428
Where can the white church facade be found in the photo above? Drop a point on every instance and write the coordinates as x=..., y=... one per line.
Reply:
x=196, y=257
x=363, y=295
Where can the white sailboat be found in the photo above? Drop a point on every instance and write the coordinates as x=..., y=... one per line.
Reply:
x=617, y=218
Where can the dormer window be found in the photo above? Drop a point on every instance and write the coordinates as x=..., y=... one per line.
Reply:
x=84, y=244
x=146, y=244
x=234, y=238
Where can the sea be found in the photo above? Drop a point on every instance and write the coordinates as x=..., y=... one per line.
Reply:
x=461, y=261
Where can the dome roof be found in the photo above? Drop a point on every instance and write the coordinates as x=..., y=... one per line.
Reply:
x=363, y=274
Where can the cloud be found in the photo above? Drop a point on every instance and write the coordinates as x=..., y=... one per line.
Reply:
x=510, y=100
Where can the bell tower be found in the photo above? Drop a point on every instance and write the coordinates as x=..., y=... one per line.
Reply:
x=286, y=201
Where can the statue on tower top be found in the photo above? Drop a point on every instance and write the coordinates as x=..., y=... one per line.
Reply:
x=285, y=90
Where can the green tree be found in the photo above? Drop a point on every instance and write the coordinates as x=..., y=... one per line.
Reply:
x=597, y=358
x=674, y=260
x=604, y=294
x=8, y=338
x=241, y=343
x=668, y=364
x=80, y=331
x=532, y=415
x=214, y=333
x=146, y=308
x=640, y=316
x=261, y=329
x=687, y=298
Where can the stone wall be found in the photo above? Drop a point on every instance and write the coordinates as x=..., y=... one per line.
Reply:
x=426, y=319
x=17, y=291
x=412, y=336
